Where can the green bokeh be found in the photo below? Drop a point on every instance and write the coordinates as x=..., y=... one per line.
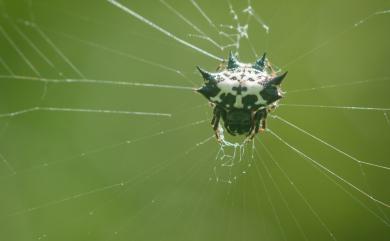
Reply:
x=77, y=178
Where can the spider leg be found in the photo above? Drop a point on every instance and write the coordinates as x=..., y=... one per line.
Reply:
x=252, y=126
x=215, y=122
x=269, y=65
x=263, y=121
x=263, y=124
x=258, y=121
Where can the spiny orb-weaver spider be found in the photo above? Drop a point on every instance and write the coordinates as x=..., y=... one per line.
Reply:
x=242, y=94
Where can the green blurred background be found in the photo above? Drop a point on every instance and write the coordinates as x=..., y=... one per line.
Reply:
x=95, y=176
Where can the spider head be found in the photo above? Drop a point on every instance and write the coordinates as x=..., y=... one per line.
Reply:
x=238, y=121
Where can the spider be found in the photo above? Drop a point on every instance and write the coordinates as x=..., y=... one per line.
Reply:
x=242, y=95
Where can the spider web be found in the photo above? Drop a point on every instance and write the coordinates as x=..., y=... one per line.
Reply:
x=102, y=137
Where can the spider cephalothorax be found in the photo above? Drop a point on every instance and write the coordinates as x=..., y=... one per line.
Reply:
x=242, y=94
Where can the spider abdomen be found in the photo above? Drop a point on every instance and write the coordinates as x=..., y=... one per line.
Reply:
x=241, y=88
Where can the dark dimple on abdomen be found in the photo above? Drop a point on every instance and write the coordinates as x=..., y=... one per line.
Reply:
x=249, y=100
x=227, y=99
